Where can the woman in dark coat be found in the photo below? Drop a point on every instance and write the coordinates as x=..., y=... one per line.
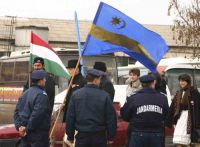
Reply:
x=184, y=113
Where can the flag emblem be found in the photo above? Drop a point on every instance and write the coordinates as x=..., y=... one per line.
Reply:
x=113, y=31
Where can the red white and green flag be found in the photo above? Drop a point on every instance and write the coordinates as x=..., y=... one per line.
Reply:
x=53, y=64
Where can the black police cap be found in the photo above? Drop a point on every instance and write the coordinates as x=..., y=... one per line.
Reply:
x=38, y=74
x=95, y=72
x=147, y=78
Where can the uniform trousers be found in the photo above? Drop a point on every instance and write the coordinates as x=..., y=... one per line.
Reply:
x=143, y=139
x=91, y=139
x=36, y=139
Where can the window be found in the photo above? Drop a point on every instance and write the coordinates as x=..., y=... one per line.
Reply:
x=7, y=71
x=21, y=71
x=173, y=74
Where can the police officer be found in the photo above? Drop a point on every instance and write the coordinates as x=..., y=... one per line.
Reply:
x=146, y=111
x=38, y=64
x=78, y=82
x=105, y=83
x=17, y=121
x=91, y=113
x=35, y=117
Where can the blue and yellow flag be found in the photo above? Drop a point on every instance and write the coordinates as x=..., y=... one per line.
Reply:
x=113, y=31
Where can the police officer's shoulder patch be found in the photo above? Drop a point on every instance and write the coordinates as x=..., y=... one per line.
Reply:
x=44, y=93
x=131, y=94
x=163, y=93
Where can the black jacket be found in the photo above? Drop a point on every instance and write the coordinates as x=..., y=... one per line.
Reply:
x=107, y=85
x=91, y=110
x=194, y=109
x=49, y=88
x=78, y=82
x=145, y=110
x=36, y=113
x=160, y=84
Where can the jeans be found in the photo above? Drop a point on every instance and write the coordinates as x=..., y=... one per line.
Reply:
x=143, y=139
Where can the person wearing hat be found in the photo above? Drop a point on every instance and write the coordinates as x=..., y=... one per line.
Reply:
x=146, y=110
x=92, y=114
x=34, y=113
x=161, y=82
x=105, y=83
x=78, y=82
x=38, y=64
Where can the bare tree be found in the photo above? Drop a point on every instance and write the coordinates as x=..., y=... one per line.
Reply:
x=186, y=26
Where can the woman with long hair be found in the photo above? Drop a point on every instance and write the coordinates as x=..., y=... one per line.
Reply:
x=184, y=113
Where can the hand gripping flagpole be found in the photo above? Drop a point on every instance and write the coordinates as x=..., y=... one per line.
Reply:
x=72, y=78
x=64, y=101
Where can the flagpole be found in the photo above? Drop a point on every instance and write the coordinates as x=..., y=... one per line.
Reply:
x=65, y=99
x=79, y=42
x=116, y=66
x=30, y=63
x=80, y=61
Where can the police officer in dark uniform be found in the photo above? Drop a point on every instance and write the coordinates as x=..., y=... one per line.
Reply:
x=78, y=82
x=38, y=64
x=17, y=120
x=91, y=113
x=35, y=117
x=105, y=83
x=146, y=111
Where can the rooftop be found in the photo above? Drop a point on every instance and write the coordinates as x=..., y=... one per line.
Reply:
x=64, y=30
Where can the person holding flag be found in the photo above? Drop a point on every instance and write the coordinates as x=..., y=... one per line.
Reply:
x=78, y=82
x=44, y=57
x=38, y=64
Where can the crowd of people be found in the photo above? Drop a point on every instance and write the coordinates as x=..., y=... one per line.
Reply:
x=91, y=118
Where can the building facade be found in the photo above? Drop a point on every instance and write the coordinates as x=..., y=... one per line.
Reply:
x=62, y=34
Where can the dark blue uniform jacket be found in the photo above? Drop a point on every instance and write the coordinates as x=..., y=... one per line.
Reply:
x=146, y=111
x=49, y=88
x=19, y=108
x=91, y=110
x=36, y=113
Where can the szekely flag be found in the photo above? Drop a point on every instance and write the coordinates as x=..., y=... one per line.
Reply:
x=53, y=64
x=113, y=31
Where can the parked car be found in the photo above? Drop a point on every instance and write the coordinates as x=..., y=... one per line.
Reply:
x=9, y=136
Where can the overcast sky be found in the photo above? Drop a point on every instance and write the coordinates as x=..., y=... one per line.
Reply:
x=143, y=11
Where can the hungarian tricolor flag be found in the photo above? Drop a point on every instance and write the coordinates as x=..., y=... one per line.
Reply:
x=53, y=64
